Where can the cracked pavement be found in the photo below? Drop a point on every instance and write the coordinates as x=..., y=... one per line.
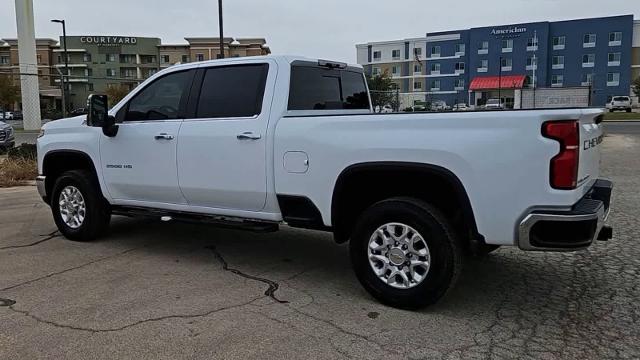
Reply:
x=157, y=290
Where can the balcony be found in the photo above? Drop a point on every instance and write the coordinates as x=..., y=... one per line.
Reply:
x=589, y=45
x=613, y=83
x=483, y=51
x=482, y=70
x=588, y=64
x=557, y=66
x=613, y=63
x=532, y=67
x=507, y=50
x=506, y=68
x=586, y=83
x=615, y=43
x=558, y=47
x=557, y=84
x=532, y=48
x=459, y=71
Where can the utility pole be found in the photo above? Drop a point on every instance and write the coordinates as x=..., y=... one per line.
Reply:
x=534, y=64
x=221, y=32
x=29, y=86
x=65, y=87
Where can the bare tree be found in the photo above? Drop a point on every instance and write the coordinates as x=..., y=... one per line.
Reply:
x=9, y=92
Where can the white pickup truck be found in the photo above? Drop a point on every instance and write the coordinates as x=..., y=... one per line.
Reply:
x=258, y=142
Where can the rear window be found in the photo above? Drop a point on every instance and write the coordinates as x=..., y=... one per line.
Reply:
x=316, y=88
x=621, y=98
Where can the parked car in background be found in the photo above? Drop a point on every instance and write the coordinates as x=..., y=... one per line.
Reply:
x=78, y=111
x=8, y=115
x=7, y=139
x=17, y=115
x=494, y=104
x=439, y=105
x=386, y=109
x=619, y=103
x=461, y=107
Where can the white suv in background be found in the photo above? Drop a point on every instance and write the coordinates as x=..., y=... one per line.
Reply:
x=622, y=103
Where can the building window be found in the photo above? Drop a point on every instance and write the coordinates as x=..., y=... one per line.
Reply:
x=110, y=57
x=395, y=54
x=128, y=73
x=613, y=79
x=532, y=44
x=199, y=57
x=559, y=42
x=90, y=87
x=587, y=79
x=532, y=63
x=506, y=64
x=185, y=59
x=417, y=69
x=4, y=59
x=458, y=84
x=557, y=62
x=417, y=51
x=39, y=59
x=460, y=49
x=435, y=85
x=614, y=59
x=483, y=48
x=435, y=68
x=152, y=72
x=395, y=70
x=86, y=57
x=615, y=38
x=588, y=60
x=435, y=51
x=507, y=45
x=375, y=71
x=111, y=72
x=377, y=56
x=589, y=40
x=557, y=80
x=88, y=72
x=459, y=68
x=417, y=85
x=483, y=66
x=164, y=59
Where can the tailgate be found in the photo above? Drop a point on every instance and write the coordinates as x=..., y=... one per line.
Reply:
x=591, y=136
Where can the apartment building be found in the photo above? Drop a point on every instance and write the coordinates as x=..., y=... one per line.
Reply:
x=208, y=48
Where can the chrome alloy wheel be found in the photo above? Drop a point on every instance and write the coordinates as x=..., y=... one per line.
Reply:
x=399, y=255
x=72, y=207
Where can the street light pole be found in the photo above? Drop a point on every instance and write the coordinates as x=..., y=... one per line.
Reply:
x=65, y=78
x=221, y=32
x=500, y=82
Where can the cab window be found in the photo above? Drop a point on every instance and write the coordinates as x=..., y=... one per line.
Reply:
x=162, y=99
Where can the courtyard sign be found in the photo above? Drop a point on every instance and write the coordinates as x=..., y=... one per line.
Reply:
x=108, y=40
x=509, y=31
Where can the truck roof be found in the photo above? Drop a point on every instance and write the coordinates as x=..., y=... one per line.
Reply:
x=283, y=58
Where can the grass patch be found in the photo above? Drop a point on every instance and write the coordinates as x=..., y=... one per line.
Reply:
x=19, y=167
x=621, y=116
x=17, y=171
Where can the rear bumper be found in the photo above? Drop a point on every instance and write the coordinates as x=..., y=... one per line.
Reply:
x=549, y=230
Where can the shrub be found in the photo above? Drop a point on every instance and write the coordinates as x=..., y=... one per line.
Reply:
x=17, y=171
x=24, y=151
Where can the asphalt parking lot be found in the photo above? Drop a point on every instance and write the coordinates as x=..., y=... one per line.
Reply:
x=157, y=290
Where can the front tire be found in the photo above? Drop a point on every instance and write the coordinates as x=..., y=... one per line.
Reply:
x=79, y=210
x=404, y=253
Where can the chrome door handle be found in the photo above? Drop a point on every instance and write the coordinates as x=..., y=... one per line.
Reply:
x=248, y=135
x=164, y=136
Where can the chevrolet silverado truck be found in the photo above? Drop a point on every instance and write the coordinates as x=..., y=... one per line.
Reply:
x=256, y=143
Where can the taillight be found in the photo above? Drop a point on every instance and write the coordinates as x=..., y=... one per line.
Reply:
x=564, y=166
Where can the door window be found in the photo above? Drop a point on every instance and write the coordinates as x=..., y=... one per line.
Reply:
x=232, y=91
x=161, y=100
x=315, y=88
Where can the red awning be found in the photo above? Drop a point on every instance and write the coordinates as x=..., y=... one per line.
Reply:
x=493, y=82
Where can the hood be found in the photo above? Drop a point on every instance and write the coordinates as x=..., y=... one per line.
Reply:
x=71, y=122
x=4, y=125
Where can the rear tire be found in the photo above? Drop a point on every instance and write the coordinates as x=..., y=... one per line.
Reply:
x=421, y=285
x=628, y=110
x=79, y=210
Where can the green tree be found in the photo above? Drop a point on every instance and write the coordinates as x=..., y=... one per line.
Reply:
x=636, y=86
x=115, y=93
x=9, y=92
x=383, y=90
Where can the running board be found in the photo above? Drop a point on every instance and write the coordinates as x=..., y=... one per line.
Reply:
x=215, y=220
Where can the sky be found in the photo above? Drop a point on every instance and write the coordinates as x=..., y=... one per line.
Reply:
x=327, y=29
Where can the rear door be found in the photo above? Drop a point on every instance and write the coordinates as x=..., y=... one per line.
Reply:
x=222, y=146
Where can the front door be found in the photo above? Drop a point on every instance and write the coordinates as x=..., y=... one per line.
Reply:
x=139, y=163
x=222, y=149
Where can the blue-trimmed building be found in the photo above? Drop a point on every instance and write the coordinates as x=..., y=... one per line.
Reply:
x=464, y=66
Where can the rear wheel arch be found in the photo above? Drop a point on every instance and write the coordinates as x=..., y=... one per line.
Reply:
x=57, y=162
x=361, y=185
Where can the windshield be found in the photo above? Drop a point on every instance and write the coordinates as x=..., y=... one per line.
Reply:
x=621, y=98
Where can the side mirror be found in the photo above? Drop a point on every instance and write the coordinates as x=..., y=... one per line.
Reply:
x=98, y=115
